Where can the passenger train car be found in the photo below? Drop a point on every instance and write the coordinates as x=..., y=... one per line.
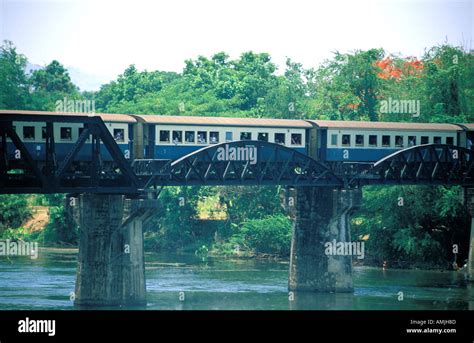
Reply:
x=357, y=141
x=33, y=136
x=171, y=137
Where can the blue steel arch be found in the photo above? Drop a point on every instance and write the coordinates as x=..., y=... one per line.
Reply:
x=423, y=164
x=243, y=163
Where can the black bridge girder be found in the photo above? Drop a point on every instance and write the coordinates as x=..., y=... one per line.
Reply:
x=29, y=175
x=274, y=164
x=435, y=164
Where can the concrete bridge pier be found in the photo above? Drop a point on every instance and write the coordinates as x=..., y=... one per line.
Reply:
x=322, y=215
x=469, y=202
x=470, y=262
x=111, y=268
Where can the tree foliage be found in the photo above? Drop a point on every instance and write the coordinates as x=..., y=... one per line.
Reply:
x=13, y=81
x=414, y=224
x=14, y=211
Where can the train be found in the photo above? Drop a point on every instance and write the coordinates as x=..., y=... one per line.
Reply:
x=169, y=137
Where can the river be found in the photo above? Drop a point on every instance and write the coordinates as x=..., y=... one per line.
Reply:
x=184, y=282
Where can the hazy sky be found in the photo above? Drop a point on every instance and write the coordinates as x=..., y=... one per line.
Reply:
x=104, y=37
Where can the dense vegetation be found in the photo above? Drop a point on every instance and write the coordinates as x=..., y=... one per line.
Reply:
x=349, y=86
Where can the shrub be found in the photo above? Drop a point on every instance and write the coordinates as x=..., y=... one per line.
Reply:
x=271, y=235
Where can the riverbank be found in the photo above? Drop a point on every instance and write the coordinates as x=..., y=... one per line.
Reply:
x=249, y=256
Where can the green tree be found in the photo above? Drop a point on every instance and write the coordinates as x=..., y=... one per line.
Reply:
x=14, y=211
x=244, y=203
x=13, y=80
x=130, y=89
x=174, y=225
x=348, y=86
x=269, y=235
x=50, y=85
x=414, y=224
x=243, y=81
x=449, y=83
x=53, y=78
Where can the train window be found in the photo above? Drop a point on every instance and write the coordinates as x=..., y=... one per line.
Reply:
x=202, y=137
x=189, y=136
x=229, y=136
x=279, y=138
x=373, y=140
x=399, y=141
x=360, y=140
x=164, y=136
x=437, y=140
x=411, y=140
x=177, y=137
x=43, y=132
x=246, y=136
x=214, y=137
x=346, y=140
x=424, y=139
x=296, y=139
x=262, y=136
x=385, y=140
x=66, y=133
x=28, y=132
x=119, y=135
x=334, y=139
x=450, y=140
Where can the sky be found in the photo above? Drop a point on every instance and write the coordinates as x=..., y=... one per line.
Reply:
x=101, y=38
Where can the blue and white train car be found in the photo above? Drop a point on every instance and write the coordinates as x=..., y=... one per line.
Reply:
x=33, y=135
x=357, y=141
x=171, y=137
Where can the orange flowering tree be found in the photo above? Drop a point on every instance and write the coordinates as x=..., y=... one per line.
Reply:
x=396, y=69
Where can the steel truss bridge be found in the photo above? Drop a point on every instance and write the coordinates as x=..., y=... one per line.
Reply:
x=234, y=163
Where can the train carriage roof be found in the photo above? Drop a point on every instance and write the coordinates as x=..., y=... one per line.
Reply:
x=342, y=124
x=469, y=127
x=106, y=117
x=254, y=122
x=222, y=121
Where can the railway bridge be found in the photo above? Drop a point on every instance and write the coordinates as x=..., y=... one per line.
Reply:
x=110, y=203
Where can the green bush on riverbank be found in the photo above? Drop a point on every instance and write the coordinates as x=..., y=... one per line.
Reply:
x=270, y=235
x=16, y=209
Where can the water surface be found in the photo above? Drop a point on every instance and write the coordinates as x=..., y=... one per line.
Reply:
x=184, y=282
